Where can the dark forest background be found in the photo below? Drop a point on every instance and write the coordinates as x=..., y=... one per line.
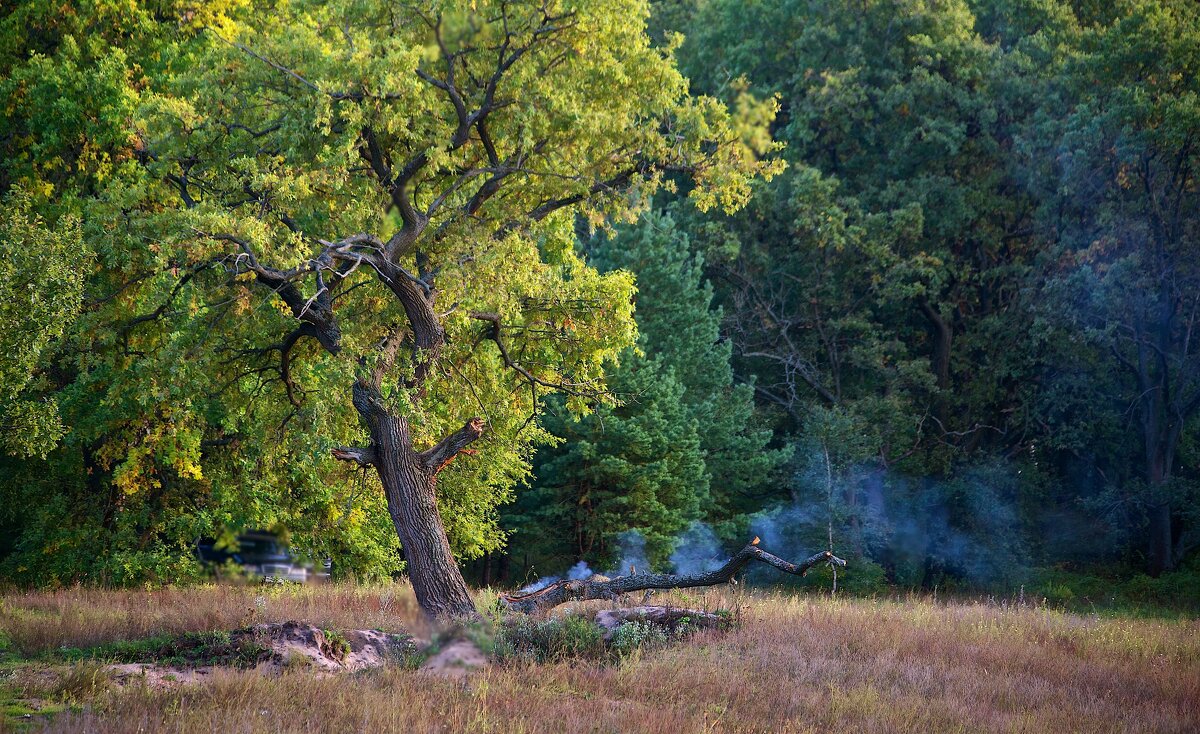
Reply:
x=955, y=339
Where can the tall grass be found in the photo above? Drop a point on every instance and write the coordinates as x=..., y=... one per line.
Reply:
x=796, y=664
x=39, y=621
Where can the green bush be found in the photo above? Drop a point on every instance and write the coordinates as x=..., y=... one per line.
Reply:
x=338, y=644
x=637, y=635
x=521, y=638
x=1120, y=589
x=1056, y=593
x=863, y=577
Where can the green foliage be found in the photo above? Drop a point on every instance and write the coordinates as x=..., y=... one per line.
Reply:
x=188, y=416
x=635, y=467
x=858, y=276
x=337, y=643
x=41, y=287
x=865, y=578
x=1120, y=295
x=978, y=226
x=680, y=329
x=684, y=426
x=638, y=635
x=1118, y=589
x=523, y=639
x=983, y=245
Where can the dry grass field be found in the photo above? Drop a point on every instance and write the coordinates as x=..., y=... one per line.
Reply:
x=793, y=664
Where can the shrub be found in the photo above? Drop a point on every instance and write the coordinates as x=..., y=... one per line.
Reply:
x=339, y=646
x=637, y=635
x=863, y=578
x=570, y=637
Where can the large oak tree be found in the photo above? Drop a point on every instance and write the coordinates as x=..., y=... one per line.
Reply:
x=377, y=201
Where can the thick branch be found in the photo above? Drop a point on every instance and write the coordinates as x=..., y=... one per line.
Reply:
x=547, y=208
x=396, y=187
x=162, y=308
x=941, y=348
x=316, y=310
x=565, y=591
x=285, y=358
x=361, y=455
x=436, y=458
x=416, y=298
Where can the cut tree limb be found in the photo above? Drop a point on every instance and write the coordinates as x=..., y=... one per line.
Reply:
x=361, y=455
x=436, y=458
x=600, y=588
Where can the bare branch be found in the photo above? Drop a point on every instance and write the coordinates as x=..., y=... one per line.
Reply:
x=565, y=591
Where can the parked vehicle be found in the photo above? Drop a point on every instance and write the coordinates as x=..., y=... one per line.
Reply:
x=259, y=554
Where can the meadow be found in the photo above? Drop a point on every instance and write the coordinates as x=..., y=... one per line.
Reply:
x=791, y=663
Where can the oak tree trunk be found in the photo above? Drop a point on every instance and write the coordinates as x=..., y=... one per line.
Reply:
x=409, y=484
x=1160, y=556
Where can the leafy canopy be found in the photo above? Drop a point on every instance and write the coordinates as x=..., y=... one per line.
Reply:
x=286, y=149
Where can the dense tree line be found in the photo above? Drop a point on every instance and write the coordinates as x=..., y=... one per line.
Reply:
x=969, y=302
x=919, y=279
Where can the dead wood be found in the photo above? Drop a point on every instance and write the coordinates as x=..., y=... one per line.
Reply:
x=672, y=619
x=599, y=588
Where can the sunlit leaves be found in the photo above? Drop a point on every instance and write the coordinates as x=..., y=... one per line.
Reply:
x=583, y=116
x=41, y=285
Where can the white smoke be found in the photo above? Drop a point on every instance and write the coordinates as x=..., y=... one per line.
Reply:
x=632, y=547
x=580, y=571
x=697, y=550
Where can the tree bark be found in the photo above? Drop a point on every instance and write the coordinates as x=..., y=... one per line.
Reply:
x=943, y=340
x=409, y=480
x=602, y=588
x=1160, y=556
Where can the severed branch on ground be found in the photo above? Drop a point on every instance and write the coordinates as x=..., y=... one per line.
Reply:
x=599, y=587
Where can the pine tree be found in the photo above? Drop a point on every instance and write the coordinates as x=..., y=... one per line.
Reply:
x=680, y=328
x=682, y=447
x=637, y=467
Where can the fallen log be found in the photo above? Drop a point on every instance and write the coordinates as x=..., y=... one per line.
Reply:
x=562, y=592
x=672, y=619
